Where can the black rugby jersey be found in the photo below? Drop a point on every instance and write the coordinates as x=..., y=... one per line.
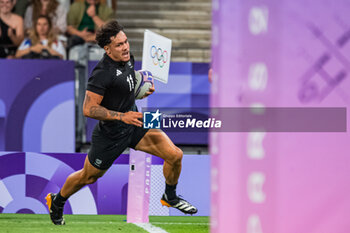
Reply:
x=115, y=81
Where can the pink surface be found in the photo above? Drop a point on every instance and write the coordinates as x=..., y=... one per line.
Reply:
x=139, y=187
x=300, y=184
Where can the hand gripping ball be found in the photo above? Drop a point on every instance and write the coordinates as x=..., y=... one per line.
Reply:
x=144, y=81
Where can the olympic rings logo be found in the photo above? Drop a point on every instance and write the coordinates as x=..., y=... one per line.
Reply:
x=159, y=57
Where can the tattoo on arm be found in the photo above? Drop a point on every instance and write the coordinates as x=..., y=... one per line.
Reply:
x=98, y=112
x=116, y=114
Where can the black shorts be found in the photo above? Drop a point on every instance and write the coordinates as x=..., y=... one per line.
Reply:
x=106, y=148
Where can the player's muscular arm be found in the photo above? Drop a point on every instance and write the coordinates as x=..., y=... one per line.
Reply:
x=93, y=109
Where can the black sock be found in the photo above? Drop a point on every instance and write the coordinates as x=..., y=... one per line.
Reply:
x=170, y=191
x=59, y=200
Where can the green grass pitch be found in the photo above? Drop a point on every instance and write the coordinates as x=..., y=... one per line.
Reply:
x=38, y=223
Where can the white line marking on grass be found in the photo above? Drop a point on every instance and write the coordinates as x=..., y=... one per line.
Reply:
x=150, y=228
x=182, y=223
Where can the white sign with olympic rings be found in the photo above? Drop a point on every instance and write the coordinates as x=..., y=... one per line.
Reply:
x=156, y=55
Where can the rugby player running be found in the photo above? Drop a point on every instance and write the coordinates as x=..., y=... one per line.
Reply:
x=110, y=99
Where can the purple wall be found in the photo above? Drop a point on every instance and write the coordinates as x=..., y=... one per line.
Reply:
x=280, y=54
x=26, y=178
x=37, y=105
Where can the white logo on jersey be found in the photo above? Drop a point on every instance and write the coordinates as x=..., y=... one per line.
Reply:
x=118, y=72
x=129, y=63
x=130, y=81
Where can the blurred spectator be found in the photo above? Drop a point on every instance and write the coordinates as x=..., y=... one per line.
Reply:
x=84, y=18
x=20, y=7
x=51, y=8
x=11, y=29
x=42, y=42
x=114, y=5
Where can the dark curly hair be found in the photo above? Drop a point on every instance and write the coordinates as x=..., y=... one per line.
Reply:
x=106, y=31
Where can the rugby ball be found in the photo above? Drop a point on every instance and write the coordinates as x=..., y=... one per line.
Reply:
x=144, y=81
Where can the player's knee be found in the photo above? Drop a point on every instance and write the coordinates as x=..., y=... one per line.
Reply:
x=177, y=156
x=180, y=153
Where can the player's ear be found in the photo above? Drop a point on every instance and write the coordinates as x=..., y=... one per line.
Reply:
x=107, y=49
